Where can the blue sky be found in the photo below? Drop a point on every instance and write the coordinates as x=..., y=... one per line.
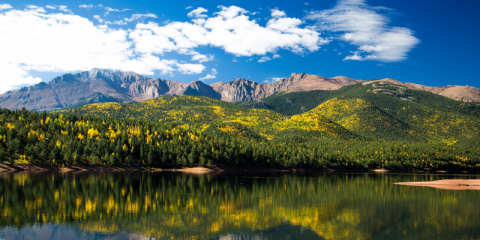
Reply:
x=427, y=42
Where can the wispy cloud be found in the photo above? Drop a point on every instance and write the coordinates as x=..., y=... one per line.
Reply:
x=109, y=9
x=140, y=16
x=64, y=9
x=86, y=6
x=264, y=59
x=366, y=28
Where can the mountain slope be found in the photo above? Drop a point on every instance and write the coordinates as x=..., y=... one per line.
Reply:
x=67, y=90
x=460, y=93
x=94, y=98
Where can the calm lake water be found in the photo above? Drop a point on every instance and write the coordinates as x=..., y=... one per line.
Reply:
x=179, y=206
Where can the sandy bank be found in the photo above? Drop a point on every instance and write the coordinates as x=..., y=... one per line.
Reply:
x=31, y=168
x=449, y=184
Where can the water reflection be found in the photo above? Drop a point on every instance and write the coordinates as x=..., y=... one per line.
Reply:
x=174, y=206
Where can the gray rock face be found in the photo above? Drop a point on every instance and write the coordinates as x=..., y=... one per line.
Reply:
x=69, y=89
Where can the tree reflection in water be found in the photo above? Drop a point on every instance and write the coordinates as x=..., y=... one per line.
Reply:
x=177, y=206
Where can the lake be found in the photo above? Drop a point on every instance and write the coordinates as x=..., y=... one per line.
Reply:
x=160, y=205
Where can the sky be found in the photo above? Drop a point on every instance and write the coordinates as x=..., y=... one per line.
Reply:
x=428, y=42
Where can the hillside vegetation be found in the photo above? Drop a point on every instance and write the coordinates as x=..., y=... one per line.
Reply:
x=60, y=139
x=202, y=113
x=385, y=111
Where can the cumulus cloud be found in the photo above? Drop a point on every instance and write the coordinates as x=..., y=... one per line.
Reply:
x=366, y=28
x=50, y=7
x=277, y=13
x=212, y=75
x=4, y=6
x=276, y=56
x=264, y=59
x=230, y=29
x=198, y=13
x=60, y=42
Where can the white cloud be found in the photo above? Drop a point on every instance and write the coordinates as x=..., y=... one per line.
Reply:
x=355, y=56
x=33, y=8
x=140, y=16
x=109, y=9
x=4, y=6
x=229, y=29
x=64, y=9
x=213, y=75
x=99, y=19
x=86, y=6
x=103, y=21
x=198, y=13
x=364, y=27
x=277, y=13
x=118, y=22
x=264, y=59
x=276, y=56
x=50, y=7
x=189, y=7
x=60, y=42
x=203, y=58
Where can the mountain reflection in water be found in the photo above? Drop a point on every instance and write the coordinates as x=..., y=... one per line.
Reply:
x=178, y=206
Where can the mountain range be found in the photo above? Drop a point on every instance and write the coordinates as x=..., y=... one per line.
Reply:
x=105, y=85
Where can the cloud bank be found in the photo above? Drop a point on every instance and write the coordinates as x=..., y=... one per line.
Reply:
x=65, y=42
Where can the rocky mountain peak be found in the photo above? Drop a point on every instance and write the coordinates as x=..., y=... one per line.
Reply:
x=116, y=85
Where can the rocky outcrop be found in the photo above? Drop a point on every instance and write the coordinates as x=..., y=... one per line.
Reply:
x=67, y=90
x=246, y=90
x=460, y=93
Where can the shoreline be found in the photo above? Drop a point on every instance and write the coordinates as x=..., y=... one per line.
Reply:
x=31, y=168
x=447, y=184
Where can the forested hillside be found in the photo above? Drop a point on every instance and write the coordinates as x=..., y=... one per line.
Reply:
x=385, y=111
x=54, y=139
x=201, y=113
